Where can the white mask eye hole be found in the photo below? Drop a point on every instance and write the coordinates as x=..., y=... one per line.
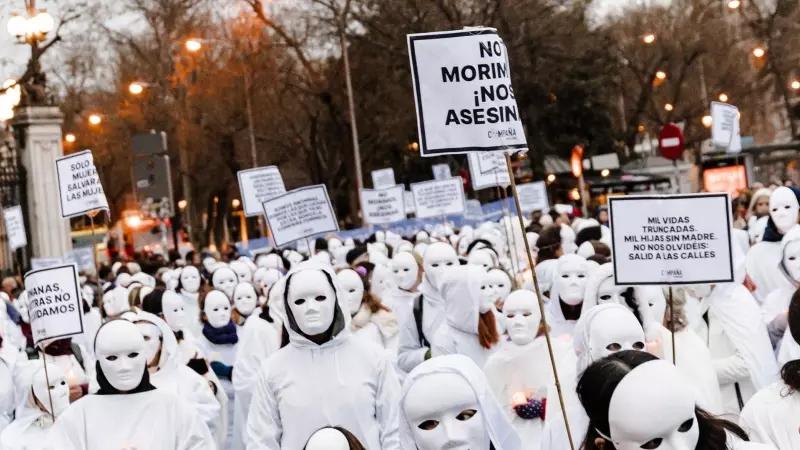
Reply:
x=774, y=209
x=581, y=275
x=792, y=258
x=111, y=358
x=406, y=270
x=613, y=347
x=655, y=443
x=511, y=315
x=428, y=425
x=565, y=276
x=320, y=298
x=147, y=338
x=434, y=265
x=526, y=314
x=638, y=345
x=786, y=207
x=483, y=288
x=133, y=355
x=299, y=301
x=686, y=426
x=605, y=297
x=466, y=414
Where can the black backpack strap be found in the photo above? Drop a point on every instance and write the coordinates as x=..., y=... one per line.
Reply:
x=418, y=321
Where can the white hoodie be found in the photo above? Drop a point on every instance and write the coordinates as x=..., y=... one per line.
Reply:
x=411, y=353
x=304, y=387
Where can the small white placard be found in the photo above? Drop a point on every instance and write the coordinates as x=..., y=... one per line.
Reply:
x=533, y=196
x=463, y=94
x=15, y=227
x=55, y=305
x=439, y=198
x=79, y=185
x=671, y=239
x=299, y=214
x=725, y=129
x=383, y=178
x=441, y=172
x=488, y=169
x=383, y=206
x=474, y=209
x=43, y=263
x=83, y=257
x=409, y=201
x=257, y=186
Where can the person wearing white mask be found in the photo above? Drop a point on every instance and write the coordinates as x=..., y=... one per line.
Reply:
x=469, y=328
x=735, y=333
x=756, y=230
x=169, y=373
x=626, y=413
x=566, y=294
x=127, y=411
x=370, y=320
x=568, y=240
x=245, y=303
x=170, y=307
x=115, y=303
x=766, y=255
x=777, y=302
x=770, y=416
x=407, y=270
x=482, y=257
x=501, y=286
x=260, y=338
x=519, y=377
x=382, y=280
x=325, y=375
x=447, y=404
x=242, y=271
x=333, y=438
x=224, y=280
x=420, y=324
x=218, y=343
x=40, y=402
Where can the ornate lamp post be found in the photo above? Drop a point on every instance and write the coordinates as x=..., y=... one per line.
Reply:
x=32, y=28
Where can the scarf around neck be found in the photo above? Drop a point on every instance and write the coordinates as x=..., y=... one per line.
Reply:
x=222, y=335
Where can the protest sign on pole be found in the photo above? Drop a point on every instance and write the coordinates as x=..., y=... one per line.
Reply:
x=43, y=263
x=725, y=131
x=383, y=206
x=15, y=227
x=55, y=304
x=259, y=185
x=439, y=198
x=473, y=209
x=408, y=196
x=299, y=214
x=82, y=257
x=671, y=239
x=79, y=185
x=383, y=178
x=533, y=196
x=441, y=172
x=463, y=94
x=487, y=170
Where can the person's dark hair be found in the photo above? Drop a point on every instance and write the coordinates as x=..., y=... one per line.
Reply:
x=790, y=372
x=599, y=259
x=598, y=383
x=601, y=248
x=152, y=302
x=123, y=269
x=373, y=302
x=105, y=271
x=588, y=234
x=355, y=253
x=484, y=242
x=352, y=441
x=320, y=244
x=548, y=243
x=629, y=295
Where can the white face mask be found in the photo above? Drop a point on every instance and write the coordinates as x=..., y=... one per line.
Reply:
x=208, y=264
x=22, y=306
x=225, y=280
x=327, y=439
x=443, y=413
x=522, y=316
x=172, y=308
x=501, y=283
x=791, y=259
x=152, y=341
x=614, y=330
x=783, y=208
x=190, y=279
x=608, y=292
x=242, y=271
x=756, y=231
x=312, y=301
x=116, y=302
x=120, y=350
x=88, y=295
x=482, y=258
x=488, y=290
x=217, y=308
x=245, y=298
x=437, y=257
x=568, y=240
x=381, y=280
x=334, y=244
x=405, y=270
x=352, y=289
x=571, y=279
x=58, y=389
x=463, y=244
x=642, y=417
x=293, y=257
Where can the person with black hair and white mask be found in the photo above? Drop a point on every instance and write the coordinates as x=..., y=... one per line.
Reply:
x=325, y=375
x=127, y=411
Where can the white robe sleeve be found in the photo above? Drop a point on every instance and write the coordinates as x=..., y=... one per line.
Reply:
x=410, y=353
x=203, y=400
x=256, y=345
x=192, y=434
x=732, y=369
x=387, y=407
x=264, y=427
x=443, y=343
x=67, y=433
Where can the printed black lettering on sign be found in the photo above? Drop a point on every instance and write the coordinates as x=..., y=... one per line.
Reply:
x=670, y=238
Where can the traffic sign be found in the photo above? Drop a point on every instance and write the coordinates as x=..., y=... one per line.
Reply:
x=670, y=142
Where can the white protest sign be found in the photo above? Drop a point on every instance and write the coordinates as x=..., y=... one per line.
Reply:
x=79, y=185
x=43, y=263
x=409, y=201
x=463, y=94
x=671, y=239
x=725, y=131
x=488, y=169
x=533, y=196
x=441, y=172
x=259, y=185
x=383, y=178
x=55, y=305
x=439, y=198
x=299, y=214
x=15, y=227
x=83, y=257
x=382, y=206
x=474, y=209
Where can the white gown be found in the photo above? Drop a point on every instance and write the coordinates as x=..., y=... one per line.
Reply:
x=226, y=354
x=772, y=416
x=694, y=362
x=410, y=353
x=152, y=420
x=8, y=362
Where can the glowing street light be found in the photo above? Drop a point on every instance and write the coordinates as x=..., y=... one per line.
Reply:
x=604, y=172
x=182, y=204
x=669, y=107
x=707, y=121
x=723, y=98
x=649, y=38
x=795, y=85
x=34, y=28
x=95, y=119
x=70, y=138
x=136, y=88
x=235, y=203
x=551, y=178
x=733, y=4
x=193, y=45
x=661, y=75
x=759, y=52
x=133, y=221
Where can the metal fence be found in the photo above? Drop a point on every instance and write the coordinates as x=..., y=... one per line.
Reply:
x=13, y=191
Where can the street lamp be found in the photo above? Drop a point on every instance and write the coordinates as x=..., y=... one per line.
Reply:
x=194, y=45
x=34, y=28
x=733, y=4
x=182, y=204
x=136, y=88
x=95, y=119
x=9, y=99
x=795, y=85
x=551, y=178
x=235, y=203
x=759, y=52
x=649, y=38
x=661, y=75
x=707, y=121
x=669, y=107
x=604, y=172
x=723, y=98
x=70, y=138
